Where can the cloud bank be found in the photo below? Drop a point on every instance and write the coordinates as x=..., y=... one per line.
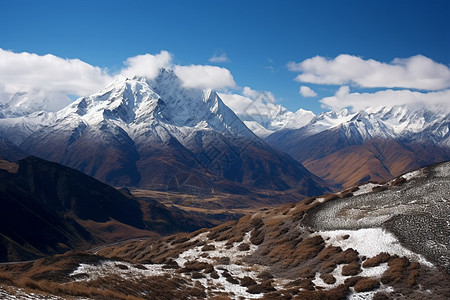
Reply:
x=53, y=76
x=411, y=81
x=55, y=79
x=359, y=101
x=416, y=72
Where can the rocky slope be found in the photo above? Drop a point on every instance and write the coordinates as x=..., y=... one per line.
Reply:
x=374, y=241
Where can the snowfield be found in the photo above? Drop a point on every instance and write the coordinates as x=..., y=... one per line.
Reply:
x=369, y=242
x=414, y=212
x=10, y=293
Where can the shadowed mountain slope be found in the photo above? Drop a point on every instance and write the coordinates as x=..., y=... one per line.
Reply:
x=47, y=208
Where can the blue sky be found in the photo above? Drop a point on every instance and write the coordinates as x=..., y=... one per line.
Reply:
x=258, y=38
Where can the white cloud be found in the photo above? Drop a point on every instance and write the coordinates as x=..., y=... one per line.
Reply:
x=251, y=104
x=306, y=91
x=238, y=103
x=193, y=76
x=204, y=77
x=358, y=101
x=416, y=72
x=219, y=58
x=260, y=113
x=56, y=77
x=259, y=96
x=147, y=65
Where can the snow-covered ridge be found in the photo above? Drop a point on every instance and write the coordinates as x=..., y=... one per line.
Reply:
x=167, y=109
x=398, y=122
x=147, y=110
x=276, y=118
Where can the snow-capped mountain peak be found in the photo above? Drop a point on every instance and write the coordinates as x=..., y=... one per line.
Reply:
x=141, y=132
x=274, y=117
x=151, y=111
x=399, y=122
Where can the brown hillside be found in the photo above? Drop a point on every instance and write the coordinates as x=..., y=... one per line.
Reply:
x=377, y=160
x=320, y=248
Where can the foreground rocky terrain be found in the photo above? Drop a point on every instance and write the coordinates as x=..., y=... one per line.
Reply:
x=373, y=241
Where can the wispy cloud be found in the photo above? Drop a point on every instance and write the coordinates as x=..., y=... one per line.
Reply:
x=204, y=76
x=53, y=76
x=219, y=57
x=56, y=79
x=250, y=103
x=270, y=66
x=358, y=101
x=306, y=91
x=416, y=72
x=147, y=65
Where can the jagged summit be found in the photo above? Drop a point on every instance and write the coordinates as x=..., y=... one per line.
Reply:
x=377, y=143
x=275, y=118
x=162, y=106
x=143, y=132
x=398, y=122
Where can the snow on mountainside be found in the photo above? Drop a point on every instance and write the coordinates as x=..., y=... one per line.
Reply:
x=386, y=122
x=274, y=118
x=137, y=106
x=376, y=144
x=386, y=241
x=18, y=128
x=24, y=103
x=399, y=122
x=277, y=118
x=140, y=132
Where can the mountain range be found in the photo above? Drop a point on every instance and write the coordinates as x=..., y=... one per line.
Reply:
x=381, y=236
x=377, y=144
x=143, y=133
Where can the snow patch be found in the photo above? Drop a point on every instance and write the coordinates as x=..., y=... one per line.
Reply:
x=87, y=272
x=196, y=253
x=365, y=188
x=369, y=295
x=320, y=200
x=12, y=293
x=413, y=174
x=369, y=242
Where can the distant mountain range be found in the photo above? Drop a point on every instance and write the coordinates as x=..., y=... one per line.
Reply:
x=143, y=133
x=275, y=118
x=376, y=144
